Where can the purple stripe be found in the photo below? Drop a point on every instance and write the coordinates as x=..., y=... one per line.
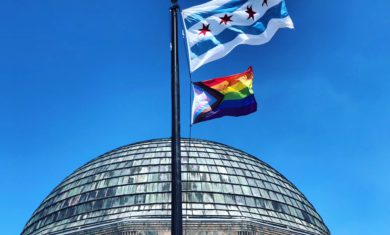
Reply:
x=218, y=112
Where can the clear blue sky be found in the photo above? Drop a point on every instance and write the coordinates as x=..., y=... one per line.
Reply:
x=79, y=78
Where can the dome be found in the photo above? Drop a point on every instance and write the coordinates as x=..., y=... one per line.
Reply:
x=127, y=191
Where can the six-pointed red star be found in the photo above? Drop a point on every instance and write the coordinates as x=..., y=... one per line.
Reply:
x=226, y=19
x=204, y=29
x=251, y=13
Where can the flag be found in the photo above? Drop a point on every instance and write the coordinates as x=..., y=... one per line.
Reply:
x=225, y=96
x=215, y=28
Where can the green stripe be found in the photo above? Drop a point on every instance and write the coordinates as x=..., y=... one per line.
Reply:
x=238, y=95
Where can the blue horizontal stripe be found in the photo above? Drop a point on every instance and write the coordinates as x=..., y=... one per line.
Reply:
x=230, y=108
x=227, y=8
x=250, y=99
x=217, y=113
x=229, y=34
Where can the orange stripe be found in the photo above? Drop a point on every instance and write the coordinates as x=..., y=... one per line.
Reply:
x=222, y=83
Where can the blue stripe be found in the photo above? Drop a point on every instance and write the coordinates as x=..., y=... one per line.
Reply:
x=237, y=104
x=227, y=8
x=229, y=34
x=217, y=113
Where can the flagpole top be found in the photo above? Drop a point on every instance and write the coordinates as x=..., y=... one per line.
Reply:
x=175, y=5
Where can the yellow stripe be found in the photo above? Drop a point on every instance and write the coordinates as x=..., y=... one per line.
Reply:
x=242, y=84
x=232, y=82
x=238, y=95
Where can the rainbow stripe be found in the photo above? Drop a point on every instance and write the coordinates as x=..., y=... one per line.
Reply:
x=225, y=96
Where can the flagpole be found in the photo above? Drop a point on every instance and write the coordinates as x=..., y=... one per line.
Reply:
x=176, y=206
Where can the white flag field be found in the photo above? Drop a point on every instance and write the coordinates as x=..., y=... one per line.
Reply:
x=215, y=28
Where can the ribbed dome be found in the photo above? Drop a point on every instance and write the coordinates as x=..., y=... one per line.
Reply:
x=133, y=182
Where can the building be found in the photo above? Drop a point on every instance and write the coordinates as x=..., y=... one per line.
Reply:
x=127, y=192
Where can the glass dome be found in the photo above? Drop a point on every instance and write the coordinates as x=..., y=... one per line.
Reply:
x=127, y=191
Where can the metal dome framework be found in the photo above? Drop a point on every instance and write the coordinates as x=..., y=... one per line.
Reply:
x=128, y=191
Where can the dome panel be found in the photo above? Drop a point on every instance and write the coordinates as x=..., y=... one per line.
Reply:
x=133, y=183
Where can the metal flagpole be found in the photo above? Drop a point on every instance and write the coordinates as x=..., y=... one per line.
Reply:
x=176, y=209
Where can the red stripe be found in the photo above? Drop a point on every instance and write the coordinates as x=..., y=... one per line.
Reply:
x=232, y=79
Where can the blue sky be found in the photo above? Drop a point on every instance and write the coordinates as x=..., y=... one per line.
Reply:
x=79, y=78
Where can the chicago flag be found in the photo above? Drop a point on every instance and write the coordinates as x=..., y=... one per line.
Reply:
x=215, y=28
